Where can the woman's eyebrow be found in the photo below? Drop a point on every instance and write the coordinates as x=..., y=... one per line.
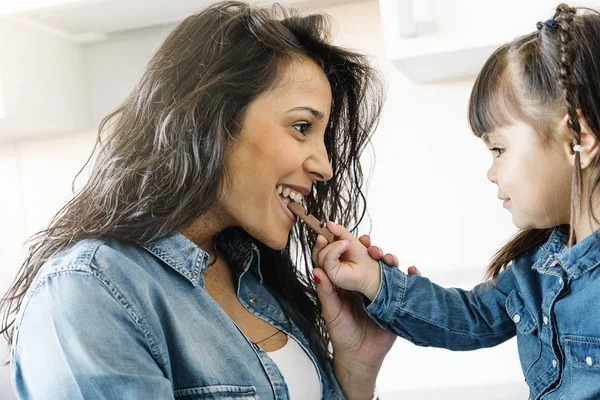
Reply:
x=316, y=113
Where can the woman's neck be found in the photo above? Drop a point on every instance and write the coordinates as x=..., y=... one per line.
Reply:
x=203, y=230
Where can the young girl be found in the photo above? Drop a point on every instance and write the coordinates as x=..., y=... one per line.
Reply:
x=536, y=106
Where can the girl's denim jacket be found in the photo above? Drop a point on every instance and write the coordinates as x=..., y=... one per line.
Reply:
x=549, y=298
x=110, y=320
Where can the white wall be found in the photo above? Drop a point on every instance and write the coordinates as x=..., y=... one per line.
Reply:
x=35, y=181
x=429, y=200
x=41, y=83
x=431, y=204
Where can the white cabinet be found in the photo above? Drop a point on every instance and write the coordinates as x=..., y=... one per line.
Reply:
x=433, y=40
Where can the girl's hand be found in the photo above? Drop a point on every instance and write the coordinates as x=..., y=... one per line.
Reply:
x=377, y=254
x=347, y=262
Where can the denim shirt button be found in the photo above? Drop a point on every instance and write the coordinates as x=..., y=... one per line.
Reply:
x=252, y=299
x=545, y=318
x=588, y=361
x=517, y=318
x=554, y=363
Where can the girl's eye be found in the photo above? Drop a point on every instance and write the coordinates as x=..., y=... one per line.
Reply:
x=302, y=127
x=497, y=151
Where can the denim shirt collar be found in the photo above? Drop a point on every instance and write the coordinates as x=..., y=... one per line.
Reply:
x=239, y=248
x=582, y=257
x=189, y=260
x=577, y=260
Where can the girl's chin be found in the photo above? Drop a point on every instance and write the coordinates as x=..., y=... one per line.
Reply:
x=523, y=225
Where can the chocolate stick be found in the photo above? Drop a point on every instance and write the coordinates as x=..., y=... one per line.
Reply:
x=310, y=220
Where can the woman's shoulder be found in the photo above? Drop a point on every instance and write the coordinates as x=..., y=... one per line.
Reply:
x=116, y=265
x=93, y=275
x=128, y=268
x=77, y=256
x=90, y=255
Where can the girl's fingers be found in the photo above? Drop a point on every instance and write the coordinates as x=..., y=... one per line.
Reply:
x=339, y=231
x=412, y=270
x=319, y=245
x=365, y=240
x=329, y=257
x=390, y=259
x=375, y=252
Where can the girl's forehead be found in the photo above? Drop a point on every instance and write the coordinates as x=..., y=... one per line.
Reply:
x=491, y=136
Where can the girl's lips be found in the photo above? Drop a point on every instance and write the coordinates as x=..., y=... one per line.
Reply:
x=505, y=202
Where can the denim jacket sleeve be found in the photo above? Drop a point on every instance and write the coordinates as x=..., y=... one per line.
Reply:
x=65, y=349
x=426, y=314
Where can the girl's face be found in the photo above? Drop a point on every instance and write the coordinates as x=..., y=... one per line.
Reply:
x=533, y=179
x=280, y=146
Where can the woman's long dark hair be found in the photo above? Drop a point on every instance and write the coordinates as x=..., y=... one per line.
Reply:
x=539, y=78
x=158, y=161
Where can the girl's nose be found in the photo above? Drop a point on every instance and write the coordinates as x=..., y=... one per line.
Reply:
x=491, y=174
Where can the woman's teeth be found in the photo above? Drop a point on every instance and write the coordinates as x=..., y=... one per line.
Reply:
x=287, y=192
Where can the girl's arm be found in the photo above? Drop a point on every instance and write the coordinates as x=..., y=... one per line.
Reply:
x=413, y=307
x=427, y=314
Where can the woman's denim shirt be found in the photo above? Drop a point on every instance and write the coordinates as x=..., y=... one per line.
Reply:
x=109, y=320
x=549, y=298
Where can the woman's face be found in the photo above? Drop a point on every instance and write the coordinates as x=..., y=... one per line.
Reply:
x=281, y=145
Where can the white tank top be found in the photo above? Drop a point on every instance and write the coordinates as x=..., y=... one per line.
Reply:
x=298, y=371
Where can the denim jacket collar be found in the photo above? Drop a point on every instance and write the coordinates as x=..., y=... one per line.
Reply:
x=174, y=249
x=240, y=249
x=582, y=257
x=181, y=254
x=577, y=260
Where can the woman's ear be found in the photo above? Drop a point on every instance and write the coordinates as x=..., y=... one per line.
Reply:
x=588, y=142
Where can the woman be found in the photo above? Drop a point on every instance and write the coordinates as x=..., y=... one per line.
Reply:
x=171, y=273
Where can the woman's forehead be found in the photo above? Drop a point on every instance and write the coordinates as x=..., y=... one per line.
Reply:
x=302, y=75
x=302, y=84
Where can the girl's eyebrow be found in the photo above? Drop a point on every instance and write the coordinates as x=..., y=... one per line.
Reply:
x=489, y=136
x=316, y=113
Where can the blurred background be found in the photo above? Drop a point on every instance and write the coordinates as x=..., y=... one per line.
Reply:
x=64, y=64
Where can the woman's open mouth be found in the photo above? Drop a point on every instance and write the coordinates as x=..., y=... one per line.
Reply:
x=286, y=195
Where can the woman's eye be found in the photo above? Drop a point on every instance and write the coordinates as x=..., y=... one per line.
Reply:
x=302, y=127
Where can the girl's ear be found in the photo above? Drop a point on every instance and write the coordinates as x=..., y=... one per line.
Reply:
x=589, y=143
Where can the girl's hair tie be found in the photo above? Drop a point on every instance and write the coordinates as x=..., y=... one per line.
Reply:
x=577, y=147
x=549, y=24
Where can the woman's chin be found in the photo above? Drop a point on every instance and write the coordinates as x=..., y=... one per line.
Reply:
x=274, y=241
x=278, y=244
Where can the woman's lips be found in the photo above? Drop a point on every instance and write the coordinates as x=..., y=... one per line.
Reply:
x=283, y=201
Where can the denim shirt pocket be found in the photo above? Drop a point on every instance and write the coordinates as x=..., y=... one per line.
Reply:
x=221, y=392
x=583, y=351
x=583, y=359
x=529, y=344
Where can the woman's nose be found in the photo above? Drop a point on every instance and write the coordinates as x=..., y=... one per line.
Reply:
x=318, y=165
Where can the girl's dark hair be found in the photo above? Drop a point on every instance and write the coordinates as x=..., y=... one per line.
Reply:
x=538, y=78
x=158, y=160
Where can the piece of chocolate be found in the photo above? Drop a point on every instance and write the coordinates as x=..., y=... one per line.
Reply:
x=311, y=220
